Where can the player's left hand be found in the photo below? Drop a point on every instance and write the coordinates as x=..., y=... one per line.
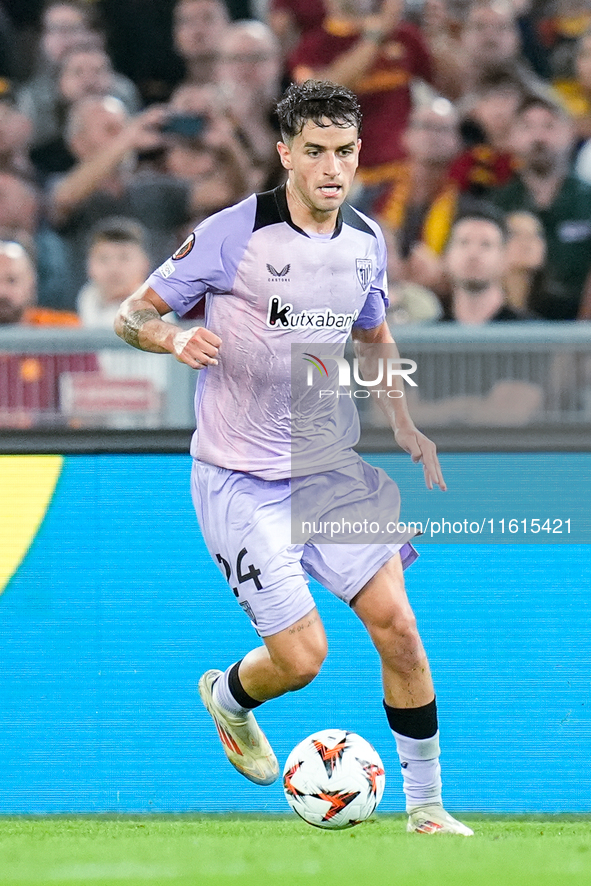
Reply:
x=423, y=451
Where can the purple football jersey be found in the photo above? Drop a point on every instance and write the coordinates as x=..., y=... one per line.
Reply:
x=270, y=286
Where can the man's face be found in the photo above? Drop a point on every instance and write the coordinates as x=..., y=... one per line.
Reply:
x=433, y=137
x=199, y=26
x=542, y=139
x=100, y=123
x=247, y=62
x=495, y=111
x=476, y=256
x=63, y=27
x=87, y=72
x=490, y=36
x=17, y=283
x=321, y=161
x=117, y=269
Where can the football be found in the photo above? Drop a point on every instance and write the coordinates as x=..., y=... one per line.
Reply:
x=334, y=779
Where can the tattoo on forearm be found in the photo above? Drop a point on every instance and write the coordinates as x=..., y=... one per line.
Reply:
x=132, y=324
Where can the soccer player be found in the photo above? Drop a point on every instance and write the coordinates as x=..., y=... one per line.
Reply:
x=291, y=267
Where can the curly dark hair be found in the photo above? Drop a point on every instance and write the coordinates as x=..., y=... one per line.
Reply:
x=318, y=101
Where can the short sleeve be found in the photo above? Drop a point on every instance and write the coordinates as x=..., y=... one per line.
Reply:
x=208, y=259
x=373, y=312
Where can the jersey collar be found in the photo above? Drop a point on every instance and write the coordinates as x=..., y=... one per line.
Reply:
x=284, y=214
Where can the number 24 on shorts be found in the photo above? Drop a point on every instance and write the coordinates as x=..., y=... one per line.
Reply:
x=253, y=573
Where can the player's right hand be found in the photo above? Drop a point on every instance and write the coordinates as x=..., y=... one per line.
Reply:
x=197, y=347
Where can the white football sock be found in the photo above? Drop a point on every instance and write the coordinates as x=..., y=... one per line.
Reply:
x=421, y=772
x=224, y=698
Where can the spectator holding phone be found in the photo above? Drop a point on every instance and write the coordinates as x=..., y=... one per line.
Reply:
x=105, y=180
x=84, y=70
x=207, y=149
x=67, y=25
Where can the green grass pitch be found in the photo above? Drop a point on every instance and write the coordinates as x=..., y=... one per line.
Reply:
x=283, y=851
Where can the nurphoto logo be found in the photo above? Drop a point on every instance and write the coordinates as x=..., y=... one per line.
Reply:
x=387, y=370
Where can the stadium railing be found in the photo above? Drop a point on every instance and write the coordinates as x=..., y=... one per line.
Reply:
x=521, y=385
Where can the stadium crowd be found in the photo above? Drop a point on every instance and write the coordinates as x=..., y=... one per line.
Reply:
x=141, y=119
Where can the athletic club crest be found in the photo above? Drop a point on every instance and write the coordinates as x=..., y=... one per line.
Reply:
x=364, y=269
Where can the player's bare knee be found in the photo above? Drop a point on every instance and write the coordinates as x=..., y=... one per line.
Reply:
x=405, y=626
x=302, y=671
x=398, y=642
x=393, y=623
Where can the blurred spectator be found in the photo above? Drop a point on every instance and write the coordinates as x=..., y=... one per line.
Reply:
x=378, y=56
x=198, y=29
x=21, y=220
x=139, y=38
x=117, y=265
x=64, y=24
x=561, y=30
x=487, y=125
x=422, y=204
x=17, y=285
x=490, y=41
x=105, y=180
x=526, y=254
x=576, y=91
x=409, y=302
x=118, y=262
x=476, y=261
x=528, y=15
x=16, y=131
x=543, y=141
x=249, y=77
x=29, y=383
x=207, y=153
x=83, y=70
x=77, y=68
x=441, y=23
x=292, y=20
x=86, y=69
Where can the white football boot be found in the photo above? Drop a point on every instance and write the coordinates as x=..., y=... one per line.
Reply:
x=435, y=820
x=244, y=742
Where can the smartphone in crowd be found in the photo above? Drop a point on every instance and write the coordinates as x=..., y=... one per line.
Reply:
x=186, y=125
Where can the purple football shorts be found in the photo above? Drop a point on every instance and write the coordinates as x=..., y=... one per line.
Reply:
x=247, y=526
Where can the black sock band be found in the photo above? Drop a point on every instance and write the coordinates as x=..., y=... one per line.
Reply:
x=413, y=722
x=238, y=691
